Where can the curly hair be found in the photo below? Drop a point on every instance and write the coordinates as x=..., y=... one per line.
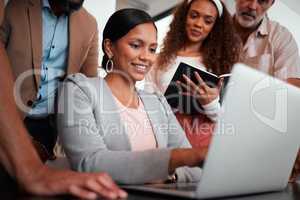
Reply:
x=221, y=49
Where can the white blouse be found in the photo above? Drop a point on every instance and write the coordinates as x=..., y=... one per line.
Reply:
x=137, y=126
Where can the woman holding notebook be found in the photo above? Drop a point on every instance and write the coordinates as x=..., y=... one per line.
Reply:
x=107, y=125
x=201, y=35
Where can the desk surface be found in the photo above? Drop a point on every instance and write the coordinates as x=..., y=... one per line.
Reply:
x=292, y=192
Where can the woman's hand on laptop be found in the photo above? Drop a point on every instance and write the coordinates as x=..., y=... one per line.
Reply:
x=186, y=157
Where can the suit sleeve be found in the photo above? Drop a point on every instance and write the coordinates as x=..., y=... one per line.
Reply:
x=1, y=10
x=177, y=139
x=91, y=63
x=5, y=25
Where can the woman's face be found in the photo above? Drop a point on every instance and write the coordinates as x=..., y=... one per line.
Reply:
x=135, y=53
x=200, y=20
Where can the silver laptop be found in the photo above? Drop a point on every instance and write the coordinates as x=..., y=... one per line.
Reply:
x=255, y=144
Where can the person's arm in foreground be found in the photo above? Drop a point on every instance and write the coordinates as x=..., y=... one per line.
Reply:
x=22, y=163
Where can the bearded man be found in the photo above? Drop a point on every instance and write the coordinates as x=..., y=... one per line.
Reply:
x=268, y=46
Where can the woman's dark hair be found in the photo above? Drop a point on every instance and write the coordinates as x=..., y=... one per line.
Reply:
x=120, y=23
x=220, y=50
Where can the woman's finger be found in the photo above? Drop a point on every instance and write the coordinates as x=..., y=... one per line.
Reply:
x=82, y=193
x=201, y=82
x=196, y=93
x=186, y=94
x=190, y=83
x=96, y=186
x=184, y=86
x=220, y=83
x=107, y=182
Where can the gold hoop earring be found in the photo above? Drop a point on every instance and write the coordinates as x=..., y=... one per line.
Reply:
x=109, y=65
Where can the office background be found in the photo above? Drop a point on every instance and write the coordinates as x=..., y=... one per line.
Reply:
x=286, y=12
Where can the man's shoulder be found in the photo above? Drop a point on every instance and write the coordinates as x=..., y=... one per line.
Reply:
x=85, y=16
x=280, y=38
x=278, y=31
x=16, y=4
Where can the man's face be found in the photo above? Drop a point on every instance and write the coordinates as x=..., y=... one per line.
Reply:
x=249, y=13
x=70, y=5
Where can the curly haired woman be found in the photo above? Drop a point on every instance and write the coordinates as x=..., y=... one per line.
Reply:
x=202, y=35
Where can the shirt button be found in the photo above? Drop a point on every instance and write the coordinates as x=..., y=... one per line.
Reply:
x=53, y=46
x=29, y=103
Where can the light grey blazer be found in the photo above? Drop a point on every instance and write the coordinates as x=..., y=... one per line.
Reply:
x=94, y=137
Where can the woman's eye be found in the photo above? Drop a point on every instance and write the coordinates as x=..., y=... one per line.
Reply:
x=135, y=46
x=153, y=50
x=193, y=15
x=263, y=2
x=209, y=22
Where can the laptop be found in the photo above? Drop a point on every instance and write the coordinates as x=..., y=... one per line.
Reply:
x=255, y=142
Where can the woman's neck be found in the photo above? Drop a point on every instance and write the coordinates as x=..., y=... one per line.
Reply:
x=190, y=50
x=123, y=90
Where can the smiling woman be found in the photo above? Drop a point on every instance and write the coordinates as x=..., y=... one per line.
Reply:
x=108, y=125
x=133, y=53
